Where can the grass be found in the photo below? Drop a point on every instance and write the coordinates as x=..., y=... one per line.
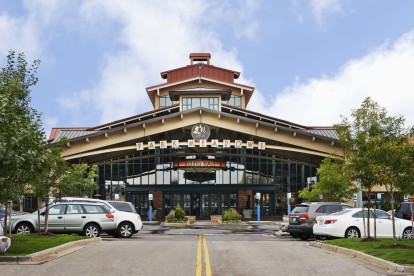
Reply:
x=27, y=244
x=382, y=248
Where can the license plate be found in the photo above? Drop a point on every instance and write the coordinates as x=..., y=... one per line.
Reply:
x=293, y=219
x=320, y=222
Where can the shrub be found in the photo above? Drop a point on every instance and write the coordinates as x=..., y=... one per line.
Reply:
x=177, y=215
x=231, y=215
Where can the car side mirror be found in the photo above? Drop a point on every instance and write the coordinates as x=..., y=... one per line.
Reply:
x=43, y=213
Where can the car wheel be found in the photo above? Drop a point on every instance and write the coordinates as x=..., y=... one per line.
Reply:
x=125, y=230
x=408, y=233
x=352, y=233
x=92, y=230
x=24, y=228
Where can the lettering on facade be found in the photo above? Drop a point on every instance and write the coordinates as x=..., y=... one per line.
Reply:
x=201, y=143
x=199, y=164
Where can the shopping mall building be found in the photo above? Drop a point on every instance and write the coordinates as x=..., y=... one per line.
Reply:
x=200, y=148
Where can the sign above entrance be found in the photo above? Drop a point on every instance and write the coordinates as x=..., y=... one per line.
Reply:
x=199, y=165
x=200, y=132
x=201, y=143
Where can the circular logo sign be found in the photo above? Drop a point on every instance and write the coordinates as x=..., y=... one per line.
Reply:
x=200, y=132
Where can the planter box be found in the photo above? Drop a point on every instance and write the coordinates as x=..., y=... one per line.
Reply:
x=216, y=218
x=191, y=219
x=247, y=213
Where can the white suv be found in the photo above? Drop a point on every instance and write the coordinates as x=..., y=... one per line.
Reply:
x=127, y=223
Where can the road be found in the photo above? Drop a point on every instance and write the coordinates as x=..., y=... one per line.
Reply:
x=199, y=251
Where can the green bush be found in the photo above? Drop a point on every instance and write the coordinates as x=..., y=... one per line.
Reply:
x=177, y=215
x=179, y=212
x=231, y=215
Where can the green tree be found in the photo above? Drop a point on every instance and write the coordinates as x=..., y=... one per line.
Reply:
x=21, y=130
x=396, y=162
x=51, y=167
x=367, y=141
x=80, y=181
x=359, y=141
x=332, y=183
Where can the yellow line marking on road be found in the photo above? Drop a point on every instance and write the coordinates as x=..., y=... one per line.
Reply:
x=206, y=257
x=202, y=240
x=198, y=264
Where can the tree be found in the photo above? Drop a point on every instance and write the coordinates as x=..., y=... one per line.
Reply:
x=332, y=183
x=359, y=140
x=51, y=167
x=21, y=130
x=80, y=181
x=396, y=162
x=370, y=147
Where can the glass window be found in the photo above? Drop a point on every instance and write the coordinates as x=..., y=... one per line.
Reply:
x=57, y=210
x=165, y=101
x=382, y=215
x=195, y=102
x=74, y=209
x=205, y=102
x=234, y=101
x=361, y=214
x=94, y=209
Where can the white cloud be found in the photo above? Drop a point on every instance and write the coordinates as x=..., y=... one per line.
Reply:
x=322, y=8
x=157, y=36
x=384, y=74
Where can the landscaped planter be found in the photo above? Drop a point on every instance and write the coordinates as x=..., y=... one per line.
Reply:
x=191, y=219
x=216, y=218
x=247, y=213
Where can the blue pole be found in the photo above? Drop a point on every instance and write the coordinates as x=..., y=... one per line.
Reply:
x=289, y=209
x=258, y=212
x=150, y=213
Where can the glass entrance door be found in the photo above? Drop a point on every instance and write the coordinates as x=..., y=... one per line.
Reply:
x=200, y=204
x=140, y=202
x=266, y=204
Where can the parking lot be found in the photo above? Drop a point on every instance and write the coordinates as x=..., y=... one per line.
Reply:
x=233, y=249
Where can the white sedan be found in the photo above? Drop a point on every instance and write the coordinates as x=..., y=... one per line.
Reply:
x=349, y=223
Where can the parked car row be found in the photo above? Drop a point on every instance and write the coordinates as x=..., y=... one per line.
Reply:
x=325, y=220
x=89, y=217
x=353, y=223
x=302, y=217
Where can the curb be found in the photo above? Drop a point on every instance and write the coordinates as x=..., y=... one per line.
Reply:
x=390, y=266
x=51, y=253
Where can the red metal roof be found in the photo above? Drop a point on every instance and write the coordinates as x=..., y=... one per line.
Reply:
x=199, y=70
x=56, y=130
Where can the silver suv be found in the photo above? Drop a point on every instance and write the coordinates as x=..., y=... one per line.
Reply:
x=127, y=223
x=89, y=219
x=302, y=217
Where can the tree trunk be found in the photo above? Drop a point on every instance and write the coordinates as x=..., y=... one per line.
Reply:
x=368, y=215
x=394, y=238
x=39, y=206
x=375, y=224
x=6, y=217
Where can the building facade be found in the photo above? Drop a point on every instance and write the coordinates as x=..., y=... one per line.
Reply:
x=200, y=148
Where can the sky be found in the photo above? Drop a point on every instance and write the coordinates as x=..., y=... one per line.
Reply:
x=310, y=61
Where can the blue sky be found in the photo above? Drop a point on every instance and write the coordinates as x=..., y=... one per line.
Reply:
x=310, y=60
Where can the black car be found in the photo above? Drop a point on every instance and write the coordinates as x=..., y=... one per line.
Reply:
x=405, y=210
x=302, y=217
